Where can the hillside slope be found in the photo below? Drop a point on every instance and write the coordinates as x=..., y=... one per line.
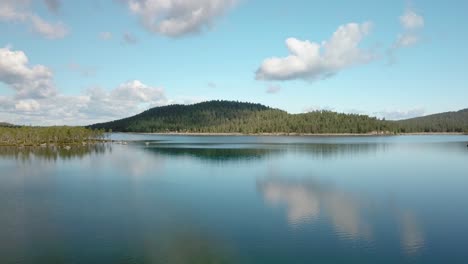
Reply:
x=442, y=122
x=238, y=117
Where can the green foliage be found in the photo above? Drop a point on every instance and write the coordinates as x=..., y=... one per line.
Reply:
x=35, y=136
x=248, y=118
x=4, y=124
x=451, y=122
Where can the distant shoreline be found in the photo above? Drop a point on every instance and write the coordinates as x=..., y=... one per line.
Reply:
x=299, y=134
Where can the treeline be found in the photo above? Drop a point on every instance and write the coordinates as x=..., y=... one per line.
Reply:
x=4, y=124
x=57, y=135
x=455, y=122
x=249, y=118
x=236, y=117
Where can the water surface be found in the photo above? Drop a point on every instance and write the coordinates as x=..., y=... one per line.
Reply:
x=180, y=199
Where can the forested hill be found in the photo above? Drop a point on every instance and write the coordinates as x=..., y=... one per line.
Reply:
x=238, y=117
x=443, y=122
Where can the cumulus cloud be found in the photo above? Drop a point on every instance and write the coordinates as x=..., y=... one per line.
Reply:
x=313, y=61
x=412, y=24
x=105, y=35
x=138, y=91
x=27, y=105
x=19, y=11
x=27, y=80
x=91, y=106
x=175, y=18
x=272, y=89
x=36, y=100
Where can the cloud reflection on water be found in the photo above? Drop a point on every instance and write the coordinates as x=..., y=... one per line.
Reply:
x=307, y=201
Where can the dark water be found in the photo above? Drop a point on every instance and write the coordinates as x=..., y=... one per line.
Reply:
x=238, y=200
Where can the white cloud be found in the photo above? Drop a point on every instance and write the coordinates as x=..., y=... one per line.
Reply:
x=36, y=100
x=399, y=114
x=412, y=23
x=105, y=35
x=410, y=20
x=272, y=89
x=313, y=61
x=406, y=40
x=176, y=18
x=48, y=30
x=28, y=81
x=92, y=106
x=138, y=91
x=27, y=105
x=20, y=11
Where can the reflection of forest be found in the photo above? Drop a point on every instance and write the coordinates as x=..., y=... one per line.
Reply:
x=246, y=152
x=53, y=153
x=215, y=154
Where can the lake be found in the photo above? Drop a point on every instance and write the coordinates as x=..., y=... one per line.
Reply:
x=237, y=199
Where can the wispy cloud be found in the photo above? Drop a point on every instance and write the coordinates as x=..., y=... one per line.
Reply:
x=272, y=89
x=129, y=38
x=19, y=11
x=412, y=23
x=105, y=35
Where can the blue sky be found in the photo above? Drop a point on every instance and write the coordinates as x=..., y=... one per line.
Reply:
x=79, y=62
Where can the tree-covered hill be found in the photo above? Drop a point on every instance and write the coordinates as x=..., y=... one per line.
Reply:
x=239, y=117
x=249, y=118
x=443, y=122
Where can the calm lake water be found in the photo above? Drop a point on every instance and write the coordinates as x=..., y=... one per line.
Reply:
x=181, y=199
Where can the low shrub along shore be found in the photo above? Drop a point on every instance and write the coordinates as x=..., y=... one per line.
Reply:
x=49, y=136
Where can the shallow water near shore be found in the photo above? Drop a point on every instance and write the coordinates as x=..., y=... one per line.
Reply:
x=237, y=199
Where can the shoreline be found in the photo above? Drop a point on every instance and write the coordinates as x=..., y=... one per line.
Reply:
x=301, y=134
